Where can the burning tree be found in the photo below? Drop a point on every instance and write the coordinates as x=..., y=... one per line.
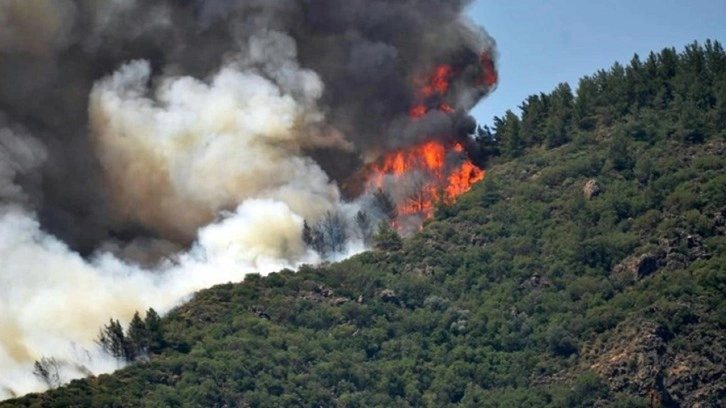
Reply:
x=409, y=182
x=421, y=176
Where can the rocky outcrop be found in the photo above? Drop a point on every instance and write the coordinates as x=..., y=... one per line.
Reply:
x=591, y=189
x=260, y=311
x=537, y=281
x=389, y=296
x=639, y=266
x=675, y=252
x=631, y=361
x=638, y=359
x=683, y=249
x=321, y=294
x=693, y=377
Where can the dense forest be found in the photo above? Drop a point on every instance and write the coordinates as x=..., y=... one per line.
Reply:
x=587, y=269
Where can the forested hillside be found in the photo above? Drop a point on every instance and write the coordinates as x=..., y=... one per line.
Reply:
x=587, y=269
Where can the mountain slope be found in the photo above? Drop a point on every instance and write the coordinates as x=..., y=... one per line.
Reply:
x=589, y=268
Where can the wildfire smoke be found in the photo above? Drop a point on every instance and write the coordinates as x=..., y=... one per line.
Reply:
x=151, y=149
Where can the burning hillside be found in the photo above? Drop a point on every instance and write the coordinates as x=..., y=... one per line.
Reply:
x=150, y=149
x=437, y=169
x=423, y=175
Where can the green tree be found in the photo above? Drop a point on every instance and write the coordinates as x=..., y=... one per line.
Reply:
x=155, y=331
x=112, y=340
x=620, y=155
x=559, y=120
x=583, y=111
x=386, y=238
x=507, y=133
x=137, y=338
x=691, y=123
x=487, y=143
x=534, y=115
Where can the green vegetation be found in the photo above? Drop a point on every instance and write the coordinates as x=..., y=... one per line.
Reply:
x=528, y=292
x=141, y=338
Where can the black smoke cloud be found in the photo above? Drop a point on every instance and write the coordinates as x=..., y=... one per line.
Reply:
x=58, y=58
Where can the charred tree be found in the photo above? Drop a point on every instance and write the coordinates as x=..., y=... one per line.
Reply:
x=48, y=371
x=384, y=203
x=365, y=226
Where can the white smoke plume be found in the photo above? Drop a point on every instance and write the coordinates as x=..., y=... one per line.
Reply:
x=53, y=302
x=177, y=152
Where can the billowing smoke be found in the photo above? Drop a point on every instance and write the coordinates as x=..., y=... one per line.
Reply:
x=151, y=149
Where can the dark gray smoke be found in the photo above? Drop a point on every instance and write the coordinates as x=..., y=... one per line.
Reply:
x=367, y=53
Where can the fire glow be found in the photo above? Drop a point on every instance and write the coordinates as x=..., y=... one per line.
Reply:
x=434, y=171
x=432, y=89
x=430, y=173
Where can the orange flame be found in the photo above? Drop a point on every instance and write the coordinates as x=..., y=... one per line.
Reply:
x=432, y=172
x=417, y=111
x=436, y=83
x=432, y=88
x=490, y=76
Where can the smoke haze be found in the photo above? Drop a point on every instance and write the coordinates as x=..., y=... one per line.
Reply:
x=152, y=149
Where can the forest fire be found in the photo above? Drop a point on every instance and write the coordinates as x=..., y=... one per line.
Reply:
x=489, y=76
x=432, y=89
x=151, y=149
x=421, y=176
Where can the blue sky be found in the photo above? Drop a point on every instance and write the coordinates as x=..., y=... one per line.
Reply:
x=544, y=42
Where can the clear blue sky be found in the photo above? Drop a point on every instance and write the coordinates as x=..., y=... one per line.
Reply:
x=544, y=42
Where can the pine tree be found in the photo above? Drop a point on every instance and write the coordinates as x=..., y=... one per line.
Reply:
x=619, y=154
x=385, y=204
x=585, y=104
x=307, y=234
x=137, y=338
x=112, y=340
x=333, y=230
x=363, y=221
x=155, y=331
x=487, y=143
x=507, y=131
x=534, y=113
x=557, y=125
x=313, y=238
x=386, y=238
